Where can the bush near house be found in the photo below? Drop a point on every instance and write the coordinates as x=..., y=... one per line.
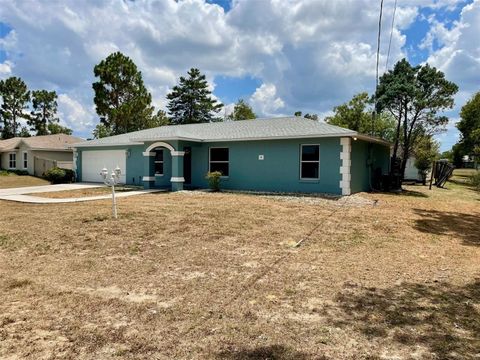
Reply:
x=475, y=180
x=214, y=180
x=10, y=172
x=58, y=175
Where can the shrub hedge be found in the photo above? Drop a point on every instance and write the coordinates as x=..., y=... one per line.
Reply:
x=58, y=175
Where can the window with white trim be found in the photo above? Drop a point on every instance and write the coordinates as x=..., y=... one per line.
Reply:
x=219, y=160
x=159, y=162
x=12, y=160
x=309, y=162
x=25, y=160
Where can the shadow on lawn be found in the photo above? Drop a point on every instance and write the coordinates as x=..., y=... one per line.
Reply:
x=272, y=352
x=443, y=318
x=464, y=226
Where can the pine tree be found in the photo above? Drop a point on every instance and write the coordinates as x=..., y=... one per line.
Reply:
x=190, y=101
x=121, y=98
x=242, y=111
x=44, y=111
x=15, y=97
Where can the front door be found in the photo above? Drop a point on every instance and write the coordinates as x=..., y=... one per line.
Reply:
x=187, y=165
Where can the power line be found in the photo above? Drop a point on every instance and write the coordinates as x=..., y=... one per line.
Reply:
x=378, y=60
x=378, y=41
x=391, y=33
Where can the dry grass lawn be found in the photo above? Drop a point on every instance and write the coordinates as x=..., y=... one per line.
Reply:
x=13, y=181
x=193, y=275
x=104, y=190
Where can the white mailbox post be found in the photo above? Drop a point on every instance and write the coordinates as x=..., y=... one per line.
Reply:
x=112, y=181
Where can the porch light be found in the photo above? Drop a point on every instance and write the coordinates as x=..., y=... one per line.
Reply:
x=104, y=173
x=354, y=138
x=111, y=181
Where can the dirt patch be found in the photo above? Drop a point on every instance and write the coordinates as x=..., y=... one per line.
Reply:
x=216, y=275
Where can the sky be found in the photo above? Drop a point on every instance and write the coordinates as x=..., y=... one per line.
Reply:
x=279, y=55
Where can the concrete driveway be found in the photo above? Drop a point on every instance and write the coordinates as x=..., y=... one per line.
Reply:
x=47, y=188
x=18, y=194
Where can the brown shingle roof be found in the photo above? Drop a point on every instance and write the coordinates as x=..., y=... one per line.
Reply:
x=49, y=142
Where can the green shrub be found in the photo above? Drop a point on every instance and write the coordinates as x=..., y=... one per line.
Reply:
x=214, y=180
x=10, y=172
x=475, y=180
x=58, y=175
x=20, y=172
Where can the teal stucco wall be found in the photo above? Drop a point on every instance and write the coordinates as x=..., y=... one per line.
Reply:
x=366, y=157
x=279, y=171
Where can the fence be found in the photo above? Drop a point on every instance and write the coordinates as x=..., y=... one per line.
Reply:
x=42, y=165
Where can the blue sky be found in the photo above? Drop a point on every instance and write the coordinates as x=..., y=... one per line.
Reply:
x=280, y=56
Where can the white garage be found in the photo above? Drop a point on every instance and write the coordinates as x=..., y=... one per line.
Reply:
x=93, y=161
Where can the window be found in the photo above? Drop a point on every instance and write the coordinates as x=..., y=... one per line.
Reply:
x=309, y=162
x=219, y=160
x=25, y=160
x=159, y=162
x=12, y=163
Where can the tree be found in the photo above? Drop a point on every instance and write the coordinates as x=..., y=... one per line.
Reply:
x=121, y=98
x=101, y=131
x=469, y=127
x=356, y=115
x=15, y=98
x=414, y=96
x=306, y=116
x=160, y=119
x=242, y=111
x=190, y=101
x=44, y=111
x=54, y=128
x=24, y=132
x=448, y=155
x=425, y=151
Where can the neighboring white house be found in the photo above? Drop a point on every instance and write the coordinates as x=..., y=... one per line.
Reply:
x=37, y=154
x=411, y=172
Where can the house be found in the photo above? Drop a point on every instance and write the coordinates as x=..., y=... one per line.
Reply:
x=37, y=154
x=411, y=171
x=290, y=154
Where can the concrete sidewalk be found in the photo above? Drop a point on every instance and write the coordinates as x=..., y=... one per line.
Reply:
x=48, y=188
x=41, y=200
x=19, y=194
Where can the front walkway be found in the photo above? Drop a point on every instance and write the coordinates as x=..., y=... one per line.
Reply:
x=18, y=194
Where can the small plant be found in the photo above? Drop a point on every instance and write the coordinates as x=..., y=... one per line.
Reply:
x=58, y=175
x=475, y=180
x=214, y=178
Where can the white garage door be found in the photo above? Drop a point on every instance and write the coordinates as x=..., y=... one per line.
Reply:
x=93, y=161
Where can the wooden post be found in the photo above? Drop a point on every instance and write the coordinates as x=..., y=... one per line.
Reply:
x=431, y=176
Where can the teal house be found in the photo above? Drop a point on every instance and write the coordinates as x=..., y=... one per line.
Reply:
x=289, y=154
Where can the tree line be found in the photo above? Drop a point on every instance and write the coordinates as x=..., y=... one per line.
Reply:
x=37, y=109
x=405, y=109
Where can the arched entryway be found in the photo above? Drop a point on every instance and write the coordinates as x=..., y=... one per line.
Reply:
x=163, y=166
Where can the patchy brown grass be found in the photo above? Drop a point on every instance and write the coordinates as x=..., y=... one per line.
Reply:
x=213, y=275
x=13, y=181
x=65, y=194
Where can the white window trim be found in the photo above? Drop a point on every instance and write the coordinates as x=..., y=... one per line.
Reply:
x=219, y=162
x=25, y=159
x=10, y=161
x=160, y=162
x=309, y=161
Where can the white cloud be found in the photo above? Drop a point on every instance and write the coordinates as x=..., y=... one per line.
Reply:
x=6, y=69
x=74, y=115
x=265, y=100
x=309, y=55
